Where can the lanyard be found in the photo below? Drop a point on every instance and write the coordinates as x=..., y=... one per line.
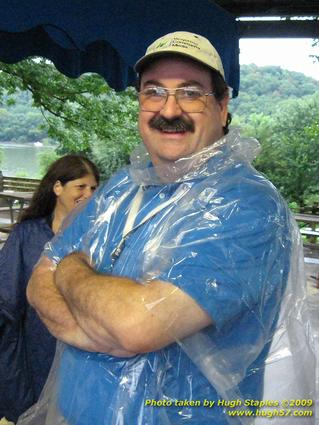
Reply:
x=134, y=207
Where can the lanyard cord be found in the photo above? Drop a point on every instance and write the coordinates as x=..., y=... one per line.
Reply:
x=134, y=209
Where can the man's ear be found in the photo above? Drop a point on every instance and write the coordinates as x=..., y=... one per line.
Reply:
x=224, y=109
x=57, y=188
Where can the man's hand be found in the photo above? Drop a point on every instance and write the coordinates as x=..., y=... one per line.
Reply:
x=52, y=309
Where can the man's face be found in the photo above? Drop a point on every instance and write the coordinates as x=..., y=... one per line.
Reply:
x=202, y=129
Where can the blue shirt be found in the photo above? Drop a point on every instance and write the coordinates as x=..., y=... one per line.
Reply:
x=226, y=243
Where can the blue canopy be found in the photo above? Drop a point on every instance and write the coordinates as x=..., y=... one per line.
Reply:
x=108, y=36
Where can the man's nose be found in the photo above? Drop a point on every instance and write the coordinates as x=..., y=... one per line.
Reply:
x=171, y=108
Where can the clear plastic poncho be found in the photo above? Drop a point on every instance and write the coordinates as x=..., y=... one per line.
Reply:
x=214, y=227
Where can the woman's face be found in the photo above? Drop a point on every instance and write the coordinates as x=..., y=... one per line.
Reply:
x=73, y=192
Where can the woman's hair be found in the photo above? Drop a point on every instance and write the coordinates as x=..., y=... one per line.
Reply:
x=65, y=169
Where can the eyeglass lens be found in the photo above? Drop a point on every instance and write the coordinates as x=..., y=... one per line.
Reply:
x=153, y=100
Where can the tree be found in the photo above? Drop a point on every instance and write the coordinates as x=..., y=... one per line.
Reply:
x=45, y=159
x=263, y=88
x=315, y=44
x=83, y=115
x=290, y=154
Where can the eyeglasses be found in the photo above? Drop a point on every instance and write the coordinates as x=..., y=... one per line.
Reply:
x=189, y=99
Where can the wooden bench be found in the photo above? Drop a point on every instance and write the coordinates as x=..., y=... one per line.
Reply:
x=7, y=209
x=308, y=224
x=18, y=184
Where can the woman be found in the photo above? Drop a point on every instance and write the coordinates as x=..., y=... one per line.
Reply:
x=26, y=347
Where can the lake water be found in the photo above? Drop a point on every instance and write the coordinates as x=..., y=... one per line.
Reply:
x=21, y=160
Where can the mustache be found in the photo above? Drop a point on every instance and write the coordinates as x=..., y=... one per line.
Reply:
x=175, y=124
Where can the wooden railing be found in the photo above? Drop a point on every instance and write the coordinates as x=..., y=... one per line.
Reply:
x=309, y=227
x=309, y=209
x=18, y=184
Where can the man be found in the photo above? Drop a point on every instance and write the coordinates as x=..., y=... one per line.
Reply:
x=168, y=283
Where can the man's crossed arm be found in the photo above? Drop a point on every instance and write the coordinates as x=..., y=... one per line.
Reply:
x=110, y=314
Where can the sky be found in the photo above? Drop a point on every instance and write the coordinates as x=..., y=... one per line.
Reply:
x=292, y=54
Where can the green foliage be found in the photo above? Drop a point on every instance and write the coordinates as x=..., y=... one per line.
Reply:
x=290, y=152
x=21, y=174
x=315, y=44
x=281, y=109
x=19, y=122
x=82, y=115
x=1, y=156
x=45, y=159
x=294, y=206
x=263, y=88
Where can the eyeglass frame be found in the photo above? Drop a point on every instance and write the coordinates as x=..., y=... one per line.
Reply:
x=172, y=92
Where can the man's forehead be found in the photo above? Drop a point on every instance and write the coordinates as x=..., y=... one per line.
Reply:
x=176, y=67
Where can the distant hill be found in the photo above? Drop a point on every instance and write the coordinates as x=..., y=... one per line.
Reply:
x=19, y=121
x=262, y=89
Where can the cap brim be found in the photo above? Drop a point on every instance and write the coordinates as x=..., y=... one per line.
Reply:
x=147, y=58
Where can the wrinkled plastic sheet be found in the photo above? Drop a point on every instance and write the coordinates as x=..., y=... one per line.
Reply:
x=269, y=294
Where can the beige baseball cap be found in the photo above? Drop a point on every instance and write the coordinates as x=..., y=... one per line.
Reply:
x=187, y=44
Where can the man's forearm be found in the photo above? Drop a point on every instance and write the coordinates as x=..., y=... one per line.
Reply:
x=84, y=291
x=52, y=309
x=47, y=300
x=124, y=314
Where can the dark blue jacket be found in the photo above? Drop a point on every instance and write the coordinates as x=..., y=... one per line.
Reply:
x=26, y=347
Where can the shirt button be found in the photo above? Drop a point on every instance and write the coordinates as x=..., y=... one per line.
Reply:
x=162, y=195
